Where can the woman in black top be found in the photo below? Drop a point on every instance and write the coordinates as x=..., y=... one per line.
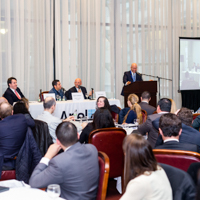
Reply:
x=102, y=119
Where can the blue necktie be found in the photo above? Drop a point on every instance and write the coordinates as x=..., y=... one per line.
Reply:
x=133, y=77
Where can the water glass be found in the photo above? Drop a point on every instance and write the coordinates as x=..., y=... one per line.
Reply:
x=53, y=191
x=86, y=95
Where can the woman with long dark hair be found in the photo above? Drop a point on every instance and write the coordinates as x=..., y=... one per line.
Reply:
x=143, y=177
x=102, y=119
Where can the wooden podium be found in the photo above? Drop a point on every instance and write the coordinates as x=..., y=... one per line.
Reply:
x=140, y=86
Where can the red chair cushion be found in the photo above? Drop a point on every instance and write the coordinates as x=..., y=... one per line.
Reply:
x=8, y=174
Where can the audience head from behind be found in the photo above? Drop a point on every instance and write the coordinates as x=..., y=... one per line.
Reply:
x=12, y=83
x=173, y=106
x=133, y=105
x=164, y=105
x=102, y=119
x=185, y=115
x=170, y=126
x=3, y=100
x=139, y=157
x=56, y=84
x=67, y=134
x=49, y=104
x=5, y=110
x=145, y=96
x=21, y=107
x=102, y=102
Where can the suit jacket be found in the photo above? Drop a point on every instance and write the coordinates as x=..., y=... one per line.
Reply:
x=68, y=94
x=174, y=145
x=148, y=108
x=12, y=134
x=188, y=135
x=11, y=97
x=75, y=170
x=148, y=127
x=183, y=187
x=128, y=77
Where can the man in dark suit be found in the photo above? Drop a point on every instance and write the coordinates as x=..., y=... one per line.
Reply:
x=77, y=88
x=189, y=134
x=13, y=130
x=164, y=106
x=131, y=76
x=144, y=104
x=13, y=93
x=170, y=128
x=76, y=170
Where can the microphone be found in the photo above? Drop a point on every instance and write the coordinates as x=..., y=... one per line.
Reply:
x=79, y=87
x=63, y=89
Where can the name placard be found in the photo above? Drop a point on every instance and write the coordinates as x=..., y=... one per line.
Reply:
x=77, y=97
x=100, y=93
x=49, y=95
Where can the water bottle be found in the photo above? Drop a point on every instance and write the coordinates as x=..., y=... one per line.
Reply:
x=75, y=114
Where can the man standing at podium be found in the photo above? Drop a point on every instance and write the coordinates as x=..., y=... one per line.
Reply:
x=131, y=76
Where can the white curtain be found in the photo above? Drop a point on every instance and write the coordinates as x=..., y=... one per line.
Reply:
x=26, y=45
x=96, y=40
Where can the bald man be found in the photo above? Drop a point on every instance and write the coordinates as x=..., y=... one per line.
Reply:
x=3, y=100
x=131, y=76
x=77, y=88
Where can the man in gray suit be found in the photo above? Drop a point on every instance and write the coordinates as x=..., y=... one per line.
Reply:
x=76, y=170
x=144, y=104
x=164, y=106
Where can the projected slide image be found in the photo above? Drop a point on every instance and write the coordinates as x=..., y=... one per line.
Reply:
x=189, y=64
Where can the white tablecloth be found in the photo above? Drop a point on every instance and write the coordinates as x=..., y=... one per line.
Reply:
x=66, y=108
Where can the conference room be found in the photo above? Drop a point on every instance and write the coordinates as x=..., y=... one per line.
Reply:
x=67, y=57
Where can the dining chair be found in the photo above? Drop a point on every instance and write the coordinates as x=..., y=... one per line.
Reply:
x=144, y=115
x=115, y=115
x=104, y=167
x=195, y=115
x=177, y=158
x=41, y=95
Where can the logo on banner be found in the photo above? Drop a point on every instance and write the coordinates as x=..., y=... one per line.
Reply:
x=88, y=113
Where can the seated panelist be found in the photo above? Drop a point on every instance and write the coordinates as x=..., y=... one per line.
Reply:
x=77, y=88
x=57, y=88
x=13, y=93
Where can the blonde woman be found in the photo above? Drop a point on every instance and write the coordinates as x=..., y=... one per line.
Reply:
x=135, y=110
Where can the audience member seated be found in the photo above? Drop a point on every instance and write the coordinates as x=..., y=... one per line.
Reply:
x=144, y=104
x=49, y=106
x=135, y=110
x=170, y=128
x=164, y=106
x=173, y=106
x=196, y=123
x=13, y=93
x=102, y=119
x=144, y=178
x=57, y=89
x=13, y=130
x=76, y=170
x=21, y=107
x=77, y=88
x=102, y=102
x=3, y=100
x=189, y=134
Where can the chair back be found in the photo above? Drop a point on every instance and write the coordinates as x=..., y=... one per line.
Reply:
x=195, y=115
x=41, y=95
x=115, y=115
x=177, y=158
x=104, y=168
x=144, y=115
x=42, y=136
x=109, y=141
x=7, y=175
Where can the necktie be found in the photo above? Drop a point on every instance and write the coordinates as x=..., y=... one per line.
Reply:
x=17, y=95
x=133, y=77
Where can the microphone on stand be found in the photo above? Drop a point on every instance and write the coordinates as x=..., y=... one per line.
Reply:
x=92, y=93
x=63, y=89
x=79, y=87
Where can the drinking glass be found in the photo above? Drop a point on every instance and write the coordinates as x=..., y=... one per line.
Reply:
x=86, y=95
x=53, y=190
